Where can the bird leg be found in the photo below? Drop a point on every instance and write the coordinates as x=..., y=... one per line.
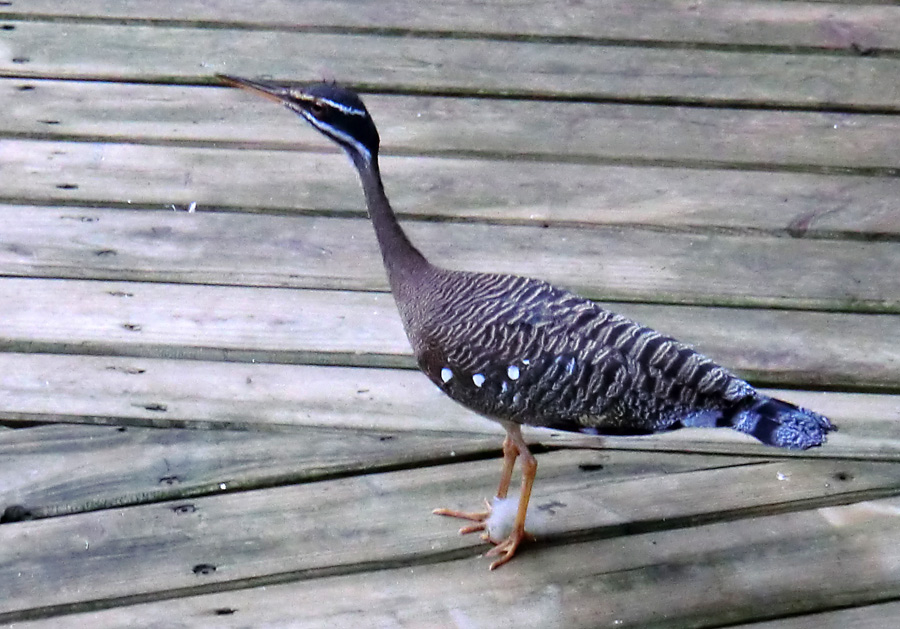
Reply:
x=510, y=453
x=513, y=446
x=507, y=548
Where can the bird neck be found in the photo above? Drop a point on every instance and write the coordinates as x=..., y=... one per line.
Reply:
x=402, y=260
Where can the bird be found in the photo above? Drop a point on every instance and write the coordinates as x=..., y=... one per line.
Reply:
x=521, y=351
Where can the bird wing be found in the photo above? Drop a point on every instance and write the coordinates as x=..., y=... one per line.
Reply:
x=540, y=355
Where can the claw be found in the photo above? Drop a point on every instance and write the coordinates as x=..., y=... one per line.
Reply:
x=507, y=548
x=514, y=446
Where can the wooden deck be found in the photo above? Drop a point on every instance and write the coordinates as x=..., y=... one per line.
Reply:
x=209, y=415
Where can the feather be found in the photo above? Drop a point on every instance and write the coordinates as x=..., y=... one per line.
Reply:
x=503, y=514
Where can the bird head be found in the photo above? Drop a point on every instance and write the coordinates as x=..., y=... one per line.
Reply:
x=336, y=112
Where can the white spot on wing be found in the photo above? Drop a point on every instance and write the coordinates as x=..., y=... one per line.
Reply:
x=478, y=379
x=513, y=372
x=446, y=374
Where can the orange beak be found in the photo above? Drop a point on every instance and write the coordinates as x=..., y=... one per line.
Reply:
x=267, y=89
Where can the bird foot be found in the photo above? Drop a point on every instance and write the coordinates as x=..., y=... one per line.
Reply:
x=507, y=548
x=479, y=518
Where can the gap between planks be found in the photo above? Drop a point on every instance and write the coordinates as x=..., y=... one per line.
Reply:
x=520, y=69
x=289, y=398
x=581, y=585
x=398, y=528
x=446, y=190
x=450, y=127
x=604, y=262
x=363, y=329
x=51, y=471
x=831, y=28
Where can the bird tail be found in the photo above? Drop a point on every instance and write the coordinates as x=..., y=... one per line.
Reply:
x=778, y=423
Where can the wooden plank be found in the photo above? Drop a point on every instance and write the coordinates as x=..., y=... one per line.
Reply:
x=53, y=470
x=240, y=396
x=698, y=577
x=868, y=617
x=260, y=397
x=476, y=127
x=326, y=252
x=299, y=531
x=482, y=66
x=729, y=22
x=363, y=329
x=495, y=190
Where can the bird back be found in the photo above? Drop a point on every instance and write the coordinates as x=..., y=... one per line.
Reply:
x=520, y=349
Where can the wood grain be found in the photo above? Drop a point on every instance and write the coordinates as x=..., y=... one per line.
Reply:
x=864, y=617
x=477, y=127
x=299, y=531
x=833, y=25
x=479, y=66
x=48, y=470
x=783, y=565
x=486, y=190
x=226, y=395
x=612, y=263
x=216, y=416
x=363, y=329
x=51, y=470
x=263, y=397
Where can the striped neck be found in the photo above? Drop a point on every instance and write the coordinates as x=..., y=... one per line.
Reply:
x=402, y=260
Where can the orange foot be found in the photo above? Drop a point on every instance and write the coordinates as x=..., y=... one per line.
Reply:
x=480, y=519
x=506, y=548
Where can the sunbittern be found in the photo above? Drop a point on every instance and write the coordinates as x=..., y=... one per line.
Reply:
x=520, y=351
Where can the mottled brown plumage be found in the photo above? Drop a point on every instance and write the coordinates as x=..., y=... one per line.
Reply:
x=521, y=351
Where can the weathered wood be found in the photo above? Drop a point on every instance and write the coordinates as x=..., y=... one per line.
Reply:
x=135, y=318
x=326, y=252
x=519, y=129
x=730, y=572
x=363, y=329
x=53, y=470
x=482, y=66
x=247, y=396
x=729, y=22
x=868, y=617
x=481, y=189
x=381, y=520
x=199, y=394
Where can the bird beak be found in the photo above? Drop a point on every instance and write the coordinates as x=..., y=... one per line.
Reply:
x=272, y=91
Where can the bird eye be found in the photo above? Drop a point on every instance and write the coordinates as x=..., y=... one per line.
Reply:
x=317, y=109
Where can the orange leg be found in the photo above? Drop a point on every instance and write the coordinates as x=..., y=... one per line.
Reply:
x=507, y=548
x=510, y=453
x=513, y=446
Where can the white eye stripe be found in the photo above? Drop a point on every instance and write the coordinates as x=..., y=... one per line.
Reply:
x=353, y=111
x=340, y=136
x=347, y=109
